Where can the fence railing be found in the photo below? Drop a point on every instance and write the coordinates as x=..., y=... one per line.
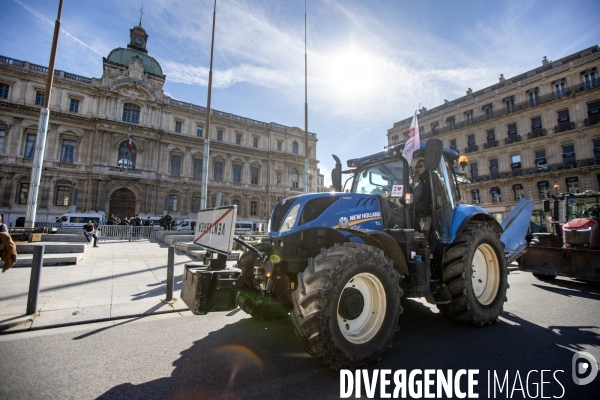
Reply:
x=128, y=232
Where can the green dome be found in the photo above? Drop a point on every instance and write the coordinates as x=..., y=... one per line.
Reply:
x=124, y=56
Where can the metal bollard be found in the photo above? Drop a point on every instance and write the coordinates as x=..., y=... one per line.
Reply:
x=34, y=281
x=170, y=272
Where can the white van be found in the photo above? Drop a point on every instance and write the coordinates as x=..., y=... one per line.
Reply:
x=242, y=226
x=188, y=224
x=78, y=220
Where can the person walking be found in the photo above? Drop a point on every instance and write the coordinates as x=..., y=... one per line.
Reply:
x=88, y=231
x=168, y=221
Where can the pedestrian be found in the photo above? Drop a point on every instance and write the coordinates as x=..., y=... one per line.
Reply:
x=148, y=222
x=88, y=231
x=167, y=221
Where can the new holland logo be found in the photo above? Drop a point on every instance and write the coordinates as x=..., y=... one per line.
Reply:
x=343, y=222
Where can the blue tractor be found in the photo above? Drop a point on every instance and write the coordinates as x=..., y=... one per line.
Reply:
x=341, y=262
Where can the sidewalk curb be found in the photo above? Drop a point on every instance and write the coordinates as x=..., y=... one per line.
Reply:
x=91, y=321
x=10, y=323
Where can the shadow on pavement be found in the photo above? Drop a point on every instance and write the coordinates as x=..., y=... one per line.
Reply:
x=254, y=359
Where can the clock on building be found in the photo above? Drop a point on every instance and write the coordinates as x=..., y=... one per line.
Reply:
x=138, y=40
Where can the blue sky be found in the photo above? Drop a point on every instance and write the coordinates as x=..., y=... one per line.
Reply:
x=370, y=63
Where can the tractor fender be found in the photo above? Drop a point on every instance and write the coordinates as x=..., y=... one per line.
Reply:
x=385, y=242
x=463, y=215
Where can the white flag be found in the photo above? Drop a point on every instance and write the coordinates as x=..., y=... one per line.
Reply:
x=413, y=140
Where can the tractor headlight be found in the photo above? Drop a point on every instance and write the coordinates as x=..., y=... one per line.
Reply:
x=290, y=220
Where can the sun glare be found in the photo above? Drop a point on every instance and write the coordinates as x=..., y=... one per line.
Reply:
x=353, y=72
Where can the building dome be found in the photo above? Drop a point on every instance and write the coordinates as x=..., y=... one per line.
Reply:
x=123, y=57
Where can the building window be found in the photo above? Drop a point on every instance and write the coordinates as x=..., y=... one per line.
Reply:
x=74, y=105
x=495, y=192
x=172, y=203
x=197, y=173
x=515, y=164
x=509, y=103
x=39, y=98
x=294, y=178
x=67, y=152
x=237, y=173
x=175, y=165
x=2, y=133
x=536, y=126
x=23, y=191
x=255, y=143
x=540, y=160
x=453, y=144
x=543, y=189
x=254, y=176
x=29, y=146
x=490, y=139
x=220, y=135
x=238, y=139
x=589, y=78
x=178, y=126
x=195, y=205
x=572, y=184
x=218, y=171
x=394, y=139
x=126, y=158
x=494, y=168
x=533, y=96
x=487, y=108
x=450, y=122
x=593, y=112
x=279, y=177
x=279, y=145
x=471, y=140
x=310, y=151
x=63, y=195
x=595, y=143
x=254, y=207
x=569, y=155
x=131, y=113
x=295, y=147
x=564, y=121
x=518, y=191
x=512, y=129
x=474, y=172
x=4, y=90
x=199, y=130
x=469, y=117
x=475, y=196
x=560, y=89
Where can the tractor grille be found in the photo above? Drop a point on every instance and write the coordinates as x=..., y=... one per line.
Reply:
x=578, y=238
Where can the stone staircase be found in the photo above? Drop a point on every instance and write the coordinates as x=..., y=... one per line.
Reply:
x=59, y=249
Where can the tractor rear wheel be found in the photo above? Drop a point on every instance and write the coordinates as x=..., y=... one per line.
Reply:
x=249, y=299
x=347, y=304
x=475, y=272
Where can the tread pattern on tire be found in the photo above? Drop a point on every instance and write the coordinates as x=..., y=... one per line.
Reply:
x=315, y=305
x=457, y=274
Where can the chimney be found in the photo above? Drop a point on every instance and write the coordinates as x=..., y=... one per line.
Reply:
x=545, y=61
x=469, y=91
x=501, y=79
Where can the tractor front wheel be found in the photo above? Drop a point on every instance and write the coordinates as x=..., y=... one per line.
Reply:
x=347, y=304
x=476, y=275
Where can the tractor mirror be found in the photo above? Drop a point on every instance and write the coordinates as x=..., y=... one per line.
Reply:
x=433, y=153
x=336, y=175
x=546, y=205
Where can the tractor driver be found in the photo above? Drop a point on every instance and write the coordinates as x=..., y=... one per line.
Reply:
x=422, y=189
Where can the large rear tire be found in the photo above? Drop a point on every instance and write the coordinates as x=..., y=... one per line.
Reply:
x=476, y=274
x=249, y=299
x=347, y=304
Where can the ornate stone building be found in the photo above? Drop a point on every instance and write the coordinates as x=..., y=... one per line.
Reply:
x=526, y=136
x=88, y=162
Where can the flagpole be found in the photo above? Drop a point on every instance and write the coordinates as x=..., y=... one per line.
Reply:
x=205, y=163
x=306, y=184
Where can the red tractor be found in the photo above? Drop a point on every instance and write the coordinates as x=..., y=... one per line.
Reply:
x=572, y=249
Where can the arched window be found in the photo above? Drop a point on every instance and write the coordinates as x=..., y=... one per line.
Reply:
x=131, y=113
x=295, y=147
x=126, y=158
x=294, y=179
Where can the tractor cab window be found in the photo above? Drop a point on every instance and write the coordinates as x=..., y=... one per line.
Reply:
x=379, y=179
x=442, y=180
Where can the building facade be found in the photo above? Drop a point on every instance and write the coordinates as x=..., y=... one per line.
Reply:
x=529, y=136
x=118, y=144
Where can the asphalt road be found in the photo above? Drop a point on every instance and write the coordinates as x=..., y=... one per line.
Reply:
x=231, y=356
